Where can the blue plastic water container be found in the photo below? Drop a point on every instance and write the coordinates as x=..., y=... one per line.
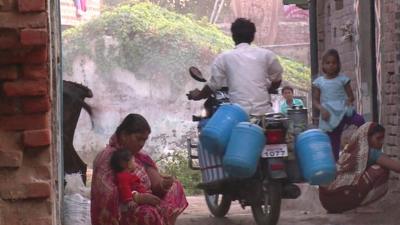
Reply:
x=244, y=150
x=216, y=133
x=314, y=152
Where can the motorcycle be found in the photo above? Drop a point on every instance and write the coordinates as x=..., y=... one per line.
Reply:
x=275, y=176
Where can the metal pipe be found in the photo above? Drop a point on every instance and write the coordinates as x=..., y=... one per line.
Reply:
x=221, y=5
x=314, y=50
x=375, y=106
x=214, y=11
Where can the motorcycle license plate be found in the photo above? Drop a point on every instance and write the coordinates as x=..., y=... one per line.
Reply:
x=275, y=151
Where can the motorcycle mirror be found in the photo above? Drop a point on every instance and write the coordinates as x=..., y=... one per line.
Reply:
x=196, y=74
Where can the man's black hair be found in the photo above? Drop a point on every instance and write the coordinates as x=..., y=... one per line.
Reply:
x=119, y=156
x=243, y=31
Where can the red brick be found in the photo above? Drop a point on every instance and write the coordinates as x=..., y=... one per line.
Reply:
x=8, y=73
x=24, y=122
x=8, y=39
x=39, y=221
x=26, y=191
x=12, y=159
x=9, y=215
x=38, y=190
x=11, y=57
x=27, y=55
x=34, y=37
x=38, y=55
x=15, y=20
x=31, y=5
x=8, y=5
x=8, y=106
x=42, y=171
x=35, y=104
x=35, y=71
x=36, y=138
x=26, y=88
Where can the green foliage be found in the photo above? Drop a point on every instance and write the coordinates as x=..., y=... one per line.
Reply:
x=177, y=165
x=145, y=39
x=151, y=41
x=296, y=72
x=198, y=8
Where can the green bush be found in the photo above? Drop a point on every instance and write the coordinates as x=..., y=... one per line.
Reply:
x=151, y=41
x=176, y=164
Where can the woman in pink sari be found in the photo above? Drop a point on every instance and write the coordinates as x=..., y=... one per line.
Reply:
x=165, y=198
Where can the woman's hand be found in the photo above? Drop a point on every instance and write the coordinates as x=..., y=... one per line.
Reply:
x=131, y=204
x=325, y=114
x=167, y=182
x=147, y=198
x=160, y=184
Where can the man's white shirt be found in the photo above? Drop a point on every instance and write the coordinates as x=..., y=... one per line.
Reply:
x=248, y=72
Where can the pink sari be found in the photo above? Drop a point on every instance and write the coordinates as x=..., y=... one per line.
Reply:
x=105, y=207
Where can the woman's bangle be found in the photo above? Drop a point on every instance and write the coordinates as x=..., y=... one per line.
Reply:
x=135, y=196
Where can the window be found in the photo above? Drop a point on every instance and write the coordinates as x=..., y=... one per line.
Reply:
x=339, y=4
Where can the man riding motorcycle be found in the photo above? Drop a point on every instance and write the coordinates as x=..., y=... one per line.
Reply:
x=249, y=72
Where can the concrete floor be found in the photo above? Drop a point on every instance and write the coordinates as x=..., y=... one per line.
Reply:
x=303, y=211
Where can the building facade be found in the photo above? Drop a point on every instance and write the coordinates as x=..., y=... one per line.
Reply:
x=29, y=113
x=73, y=13
x=366, y=34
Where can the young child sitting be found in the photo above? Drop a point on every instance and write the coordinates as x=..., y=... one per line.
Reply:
x=129, y=185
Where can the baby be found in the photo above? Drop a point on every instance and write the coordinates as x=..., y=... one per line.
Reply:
x=129, y=185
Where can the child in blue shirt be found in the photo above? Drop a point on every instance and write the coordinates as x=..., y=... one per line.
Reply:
x=287, y=93
x=334, y=98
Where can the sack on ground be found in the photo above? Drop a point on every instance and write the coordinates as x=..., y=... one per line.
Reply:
x=76, y=208
x=75, y=185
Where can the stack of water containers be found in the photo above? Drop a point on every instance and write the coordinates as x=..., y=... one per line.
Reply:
x=229, y=134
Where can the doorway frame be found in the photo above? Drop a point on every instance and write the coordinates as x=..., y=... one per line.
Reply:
x=55, y=65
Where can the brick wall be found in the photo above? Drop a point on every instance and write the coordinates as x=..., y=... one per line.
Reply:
x=299, y=52
x=26, y=177
x=389, y=115
x=330, y=21
x=390, y=69
x=292, y=32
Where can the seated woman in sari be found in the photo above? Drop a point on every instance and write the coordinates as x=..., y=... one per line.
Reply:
x=363, y=172
x=164, y=199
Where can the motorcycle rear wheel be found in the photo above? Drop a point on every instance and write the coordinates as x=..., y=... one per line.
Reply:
x=268, y=212
x=218, y=204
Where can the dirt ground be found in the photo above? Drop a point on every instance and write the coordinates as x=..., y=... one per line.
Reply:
x=303, y=211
